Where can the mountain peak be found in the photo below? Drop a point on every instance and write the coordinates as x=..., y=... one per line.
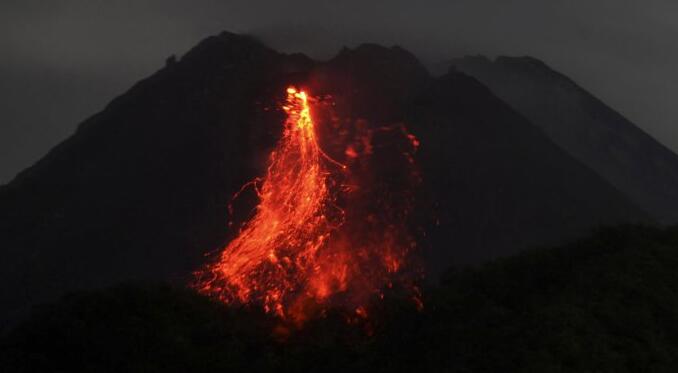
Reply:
x=390, y=58
x=227, y=48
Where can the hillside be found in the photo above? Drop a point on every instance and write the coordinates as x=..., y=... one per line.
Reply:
x=607, y=303
x=586, y=128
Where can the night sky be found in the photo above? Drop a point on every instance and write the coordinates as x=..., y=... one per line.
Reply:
x=62, y=61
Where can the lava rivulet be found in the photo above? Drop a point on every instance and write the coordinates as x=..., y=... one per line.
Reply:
x=295, y=253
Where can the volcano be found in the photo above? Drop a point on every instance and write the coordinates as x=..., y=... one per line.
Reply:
x=142, y=190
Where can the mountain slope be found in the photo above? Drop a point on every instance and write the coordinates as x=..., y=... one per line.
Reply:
x=140, y=191
x=501, y=184
x=589, y=130
x=144, y=184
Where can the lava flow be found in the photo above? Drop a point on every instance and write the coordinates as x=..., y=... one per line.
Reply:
x=298, y=254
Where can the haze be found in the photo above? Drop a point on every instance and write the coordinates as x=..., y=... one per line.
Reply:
x=63, y=61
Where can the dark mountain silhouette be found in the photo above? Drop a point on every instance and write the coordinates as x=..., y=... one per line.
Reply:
x=585, y=127
x=140, y=191
x=499, y=183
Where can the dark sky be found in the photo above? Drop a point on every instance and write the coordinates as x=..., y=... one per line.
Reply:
x=63, y=60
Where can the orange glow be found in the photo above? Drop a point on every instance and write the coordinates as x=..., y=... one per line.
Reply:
x=296, y=254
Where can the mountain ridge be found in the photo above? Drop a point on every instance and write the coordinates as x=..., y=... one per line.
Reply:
x=588, y=129
x=140, y=191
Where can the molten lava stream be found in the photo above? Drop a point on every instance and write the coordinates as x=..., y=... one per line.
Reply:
x=292, y=256
x=275, y=254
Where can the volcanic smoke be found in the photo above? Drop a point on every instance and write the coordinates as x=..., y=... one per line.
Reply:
x=297, y=254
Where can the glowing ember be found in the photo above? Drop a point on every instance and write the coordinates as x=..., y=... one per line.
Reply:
x=298, y=253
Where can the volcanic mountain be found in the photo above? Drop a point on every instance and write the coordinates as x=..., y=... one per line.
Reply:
x=141, y=190
x=585, y=127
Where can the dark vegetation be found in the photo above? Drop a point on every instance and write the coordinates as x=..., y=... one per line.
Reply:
x=608, y=303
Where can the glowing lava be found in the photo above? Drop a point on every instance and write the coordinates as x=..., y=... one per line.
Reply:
x=294, y=255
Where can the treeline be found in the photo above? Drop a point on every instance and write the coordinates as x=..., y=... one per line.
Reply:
x=608, y=303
